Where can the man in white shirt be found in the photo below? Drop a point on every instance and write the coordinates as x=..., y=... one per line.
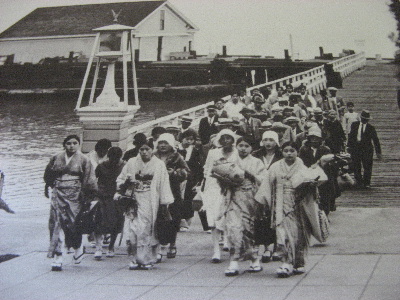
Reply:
x=233, y=107
x=306, y=98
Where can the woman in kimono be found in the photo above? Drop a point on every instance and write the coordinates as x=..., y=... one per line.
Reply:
x=241, y=210
x=178, y=171
x=71, y=175
x=288, y=216
x=269, y=153
x=109, y=217
x=213, y=198
x=152, y=192
x=194, y=158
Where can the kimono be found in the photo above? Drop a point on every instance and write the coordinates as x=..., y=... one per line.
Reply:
x=152, y=191
x=194, y=159
x=73, y=183
x=213, y=198
x=288, y=217
x=181, y=170
x=109, y=217
x=241, y=210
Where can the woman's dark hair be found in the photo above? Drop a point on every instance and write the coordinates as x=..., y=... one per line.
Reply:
x=139, y=139
x=103, y=144
x=291, y=144
x=147, y=143
x=70, y=137
x=246, y=139
x=158, y=130
x=114, y=152
x=187, y=133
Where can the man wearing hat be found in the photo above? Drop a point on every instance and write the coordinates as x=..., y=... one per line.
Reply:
x=207, y=126
x=281, y=129
x=335, y=102
x=362, y=135
x=260, y=111
x=186, y=121
x=250, y=126
x=334, y=133
x=293, y=123
x=313, y=150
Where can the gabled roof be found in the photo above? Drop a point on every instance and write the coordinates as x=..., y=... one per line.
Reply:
x=80, y=19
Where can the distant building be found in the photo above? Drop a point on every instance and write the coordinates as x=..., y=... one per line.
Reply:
x=57, y=31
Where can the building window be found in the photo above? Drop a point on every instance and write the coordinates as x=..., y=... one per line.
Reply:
x=162, y=20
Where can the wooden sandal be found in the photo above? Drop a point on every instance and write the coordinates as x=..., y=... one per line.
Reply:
x=284, y=271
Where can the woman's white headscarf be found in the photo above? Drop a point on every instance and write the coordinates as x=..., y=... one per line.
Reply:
x=167, y=137
x=269, y=134
x=224, y=132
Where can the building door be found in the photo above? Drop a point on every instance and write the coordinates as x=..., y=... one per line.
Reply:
x=159, y=49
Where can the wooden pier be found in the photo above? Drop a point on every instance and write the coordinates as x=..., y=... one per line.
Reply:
x=375, y=88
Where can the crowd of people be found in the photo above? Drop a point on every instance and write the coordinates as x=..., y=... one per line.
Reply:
x=251, y=166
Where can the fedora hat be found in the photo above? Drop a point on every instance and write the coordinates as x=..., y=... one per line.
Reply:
x=247, y=110
x=365, y=114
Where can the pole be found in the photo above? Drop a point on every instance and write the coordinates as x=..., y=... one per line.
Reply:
x=96, y=41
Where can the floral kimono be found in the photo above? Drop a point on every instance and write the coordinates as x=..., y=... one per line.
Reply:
x=288, y=216
x=153, y=190
x=73, y=183
x=241, y=209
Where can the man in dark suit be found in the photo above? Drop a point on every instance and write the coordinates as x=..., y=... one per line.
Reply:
x=359, y=144
x=207, y=126
x=250, y=127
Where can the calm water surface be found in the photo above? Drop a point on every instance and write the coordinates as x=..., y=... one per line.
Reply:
x=32, y=130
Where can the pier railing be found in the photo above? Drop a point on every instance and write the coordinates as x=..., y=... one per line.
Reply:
x=314, y=79
x=348, y=64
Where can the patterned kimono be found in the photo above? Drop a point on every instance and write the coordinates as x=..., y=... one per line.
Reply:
x=73, y=183
x=154, y=189
x=241, y=209
x=289, y=218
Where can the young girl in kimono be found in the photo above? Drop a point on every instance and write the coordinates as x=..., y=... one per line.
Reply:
x=152, y=192
x=269, y=153
x=178, y=171
x=71, y=175
x=288, y=216
x=193, y=156
x=241, y=210
x=213, y=198
x=110, y=216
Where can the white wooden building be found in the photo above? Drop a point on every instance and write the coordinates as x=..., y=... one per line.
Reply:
x=159, y=29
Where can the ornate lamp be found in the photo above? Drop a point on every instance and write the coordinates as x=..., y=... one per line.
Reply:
x=108, y=116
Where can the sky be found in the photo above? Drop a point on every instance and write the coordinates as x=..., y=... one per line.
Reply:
x=264, y=27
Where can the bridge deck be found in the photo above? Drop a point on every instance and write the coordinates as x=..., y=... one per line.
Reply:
x=375, y=88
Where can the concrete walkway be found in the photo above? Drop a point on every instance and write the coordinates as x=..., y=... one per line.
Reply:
x=361, y=260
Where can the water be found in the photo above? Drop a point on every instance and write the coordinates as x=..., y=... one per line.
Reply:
x=32, y=130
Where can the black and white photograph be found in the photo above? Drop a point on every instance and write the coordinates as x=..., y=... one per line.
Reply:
x=200, y=149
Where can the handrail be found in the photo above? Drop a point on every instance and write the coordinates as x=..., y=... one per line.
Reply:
x=314, y=79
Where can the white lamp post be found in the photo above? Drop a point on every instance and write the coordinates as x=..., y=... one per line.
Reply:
x=107, y=116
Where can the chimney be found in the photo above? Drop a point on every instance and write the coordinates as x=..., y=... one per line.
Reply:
x=287, y=57
x=224, y=51
x=321, y=52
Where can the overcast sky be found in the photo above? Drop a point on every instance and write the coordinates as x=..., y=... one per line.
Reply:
x=263, y=27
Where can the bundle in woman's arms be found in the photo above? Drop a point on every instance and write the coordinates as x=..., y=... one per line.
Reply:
x=228, y=174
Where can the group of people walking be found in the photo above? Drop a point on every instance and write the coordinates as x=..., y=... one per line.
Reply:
x=252, y=163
